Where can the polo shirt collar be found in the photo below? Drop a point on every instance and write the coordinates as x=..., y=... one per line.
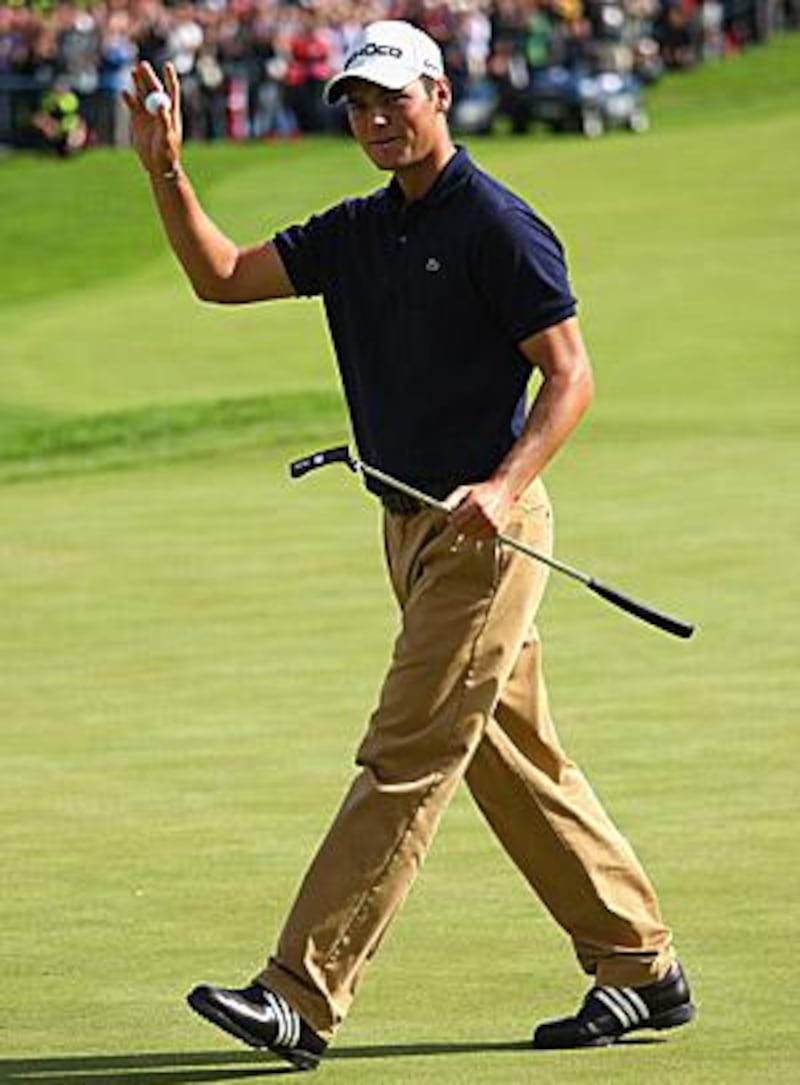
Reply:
x=451, y=178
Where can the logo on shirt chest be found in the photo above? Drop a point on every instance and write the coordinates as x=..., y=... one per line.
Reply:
x=432, y=265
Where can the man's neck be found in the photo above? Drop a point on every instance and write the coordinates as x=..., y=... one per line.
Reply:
x=417, y=180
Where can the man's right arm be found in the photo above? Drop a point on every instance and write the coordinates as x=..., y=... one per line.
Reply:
x=217, y=268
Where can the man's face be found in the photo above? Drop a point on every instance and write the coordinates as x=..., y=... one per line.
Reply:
x=396, y=128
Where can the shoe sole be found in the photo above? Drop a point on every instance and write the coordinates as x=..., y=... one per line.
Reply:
x=303, y=1060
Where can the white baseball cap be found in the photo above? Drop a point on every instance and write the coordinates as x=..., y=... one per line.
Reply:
x=390, y=53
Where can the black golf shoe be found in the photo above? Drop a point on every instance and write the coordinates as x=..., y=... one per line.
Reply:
x=261, y=1019
x=608, y=1013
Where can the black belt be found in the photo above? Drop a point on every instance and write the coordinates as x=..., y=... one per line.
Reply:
x=401, y=504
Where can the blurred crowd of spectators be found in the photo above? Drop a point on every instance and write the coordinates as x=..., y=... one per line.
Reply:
x=256, y=68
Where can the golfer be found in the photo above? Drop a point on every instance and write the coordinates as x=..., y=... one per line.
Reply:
x=443, y=292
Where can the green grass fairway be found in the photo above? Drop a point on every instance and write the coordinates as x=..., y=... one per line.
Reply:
x=191, y=644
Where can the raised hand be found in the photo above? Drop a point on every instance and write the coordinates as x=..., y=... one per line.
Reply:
x=157, y=137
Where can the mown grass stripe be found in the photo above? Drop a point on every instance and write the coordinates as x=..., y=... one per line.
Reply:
x=86, y=442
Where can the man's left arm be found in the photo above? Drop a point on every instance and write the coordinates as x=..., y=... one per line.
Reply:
x=483, y=509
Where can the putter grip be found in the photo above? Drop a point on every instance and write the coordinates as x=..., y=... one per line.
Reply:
x=640, y=610
x=338, y=454
x=298, y=468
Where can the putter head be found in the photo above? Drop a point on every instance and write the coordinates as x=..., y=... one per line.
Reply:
x=338, y=454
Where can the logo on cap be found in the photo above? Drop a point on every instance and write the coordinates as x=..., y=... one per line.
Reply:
x=372, y=49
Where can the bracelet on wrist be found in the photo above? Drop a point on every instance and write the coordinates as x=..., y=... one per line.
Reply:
x=169, y=175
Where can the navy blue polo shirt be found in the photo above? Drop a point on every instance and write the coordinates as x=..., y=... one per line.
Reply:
x=427, y=303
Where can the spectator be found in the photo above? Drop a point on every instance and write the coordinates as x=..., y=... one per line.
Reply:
x=58, y=124
x=78, y=57
x=152, y=32
x=572, y=43
x=674, y=35
x=475, y=31
x=508, y=63
x=237, y=57
x=268, y=113
x=117, y=56
x=184, y=43
x=309, y=69
x=35, y=66
x=539, y=37
x=256, y=68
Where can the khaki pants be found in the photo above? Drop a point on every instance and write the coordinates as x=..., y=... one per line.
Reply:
x=464, y=698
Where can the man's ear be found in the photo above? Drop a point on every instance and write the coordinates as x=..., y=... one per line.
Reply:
x=443, y=95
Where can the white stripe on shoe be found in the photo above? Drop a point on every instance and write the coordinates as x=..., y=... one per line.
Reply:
x=627, y=1007
x=277, y=1012
x=629, y=1002
x=638, y=1002
x=604, y=994
x=296, y=1029
x=286, y=1019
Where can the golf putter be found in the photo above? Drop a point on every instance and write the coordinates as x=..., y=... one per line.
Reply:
x=642, y=611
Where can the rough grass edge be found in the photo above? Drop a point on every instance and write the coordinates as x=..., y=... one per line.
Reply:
x=74, y=445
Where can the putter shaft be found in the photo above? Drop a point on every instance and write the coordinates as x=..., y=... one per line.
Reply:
x=643, y=611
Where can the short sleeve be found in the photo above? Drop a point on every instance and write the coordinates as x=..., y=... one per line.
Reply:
x=306, y=251
x=521, y=273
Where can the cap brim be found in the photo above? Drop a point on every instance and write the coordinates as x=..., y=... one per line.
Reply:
x=370, y=73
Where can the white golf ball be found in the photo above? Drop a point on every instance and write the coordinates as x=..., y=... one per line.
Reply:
x=155, y=101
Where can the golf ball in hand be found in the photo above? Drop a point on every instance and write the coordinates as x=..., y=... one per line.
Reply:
x=155, y=101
